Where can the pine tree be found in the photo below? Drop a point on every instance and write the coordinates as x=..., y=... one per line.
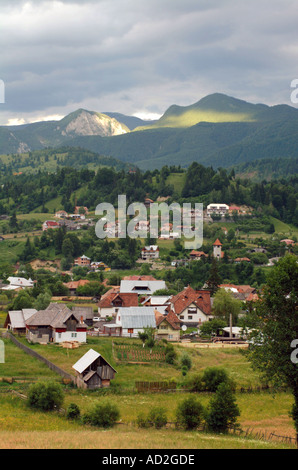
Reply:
x=223, y=409
x=214, y=278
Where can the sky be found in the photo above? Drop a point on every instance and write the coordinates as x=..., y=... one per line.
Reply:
x=138, y=57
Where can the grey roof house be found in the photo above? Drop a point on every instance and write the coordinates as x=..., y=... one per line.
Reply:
x=93, y=371
x=132, y=320
x=16, y=319
x=57, y=323
x=141, y=287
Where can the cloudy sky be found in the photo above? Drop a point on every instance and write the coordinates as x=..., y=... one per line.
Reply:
x=138, y=57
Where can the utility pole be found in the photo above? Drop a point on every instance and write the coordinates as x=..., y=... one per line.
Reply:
x=231, y=325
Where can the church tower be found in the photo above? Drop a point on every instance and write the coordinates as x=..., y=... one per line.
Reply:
x=217, y=253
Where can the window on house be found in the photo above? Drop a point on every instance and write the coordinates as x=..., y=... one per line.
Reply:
x=73, y=335
x=181, y=317
x=189, y=317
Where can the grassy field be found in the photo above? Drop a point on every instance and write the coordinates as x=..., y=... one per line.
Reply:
x=21, y=427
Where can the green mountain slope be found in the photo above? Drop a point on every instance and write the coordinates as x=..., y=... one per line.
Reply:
x=218, y=130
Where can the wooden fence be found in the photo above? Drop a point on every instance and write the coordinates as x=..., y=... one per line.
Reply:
x=38, y=356
x=155, y=386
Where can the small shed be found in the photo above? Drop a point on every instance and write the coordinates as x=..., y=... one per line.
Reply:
x=93, y=371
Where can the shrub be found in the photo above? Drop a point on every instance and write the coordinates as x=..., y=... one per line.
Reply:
x=73, y=411
x=171, y=357
x=103, y=415
x=223, y=409
x=213, y=377
x=143, y=421
x=195, y=383
x=189, y=414
x=45, y=395
x=185, y=361
x=156, y=417
x=184, y=370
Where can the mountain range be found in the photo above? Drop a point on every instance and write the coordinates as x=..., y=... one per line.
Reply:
x=218, y=130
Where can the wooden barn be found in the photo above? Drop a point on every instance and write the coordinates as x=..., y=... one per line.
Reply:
x=93, y=371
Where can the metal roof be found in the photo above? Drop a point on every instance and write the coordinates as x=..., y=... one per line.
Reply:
x=137, y=317
x=19, y=317
x=86, y=360
x=148, y=287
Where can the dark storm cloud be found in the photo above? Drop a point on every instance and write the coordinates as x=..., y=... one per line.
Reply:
x=139, y=55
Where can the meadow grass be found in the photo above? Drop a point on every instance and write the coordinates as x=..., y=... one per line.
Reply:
x=24, y=428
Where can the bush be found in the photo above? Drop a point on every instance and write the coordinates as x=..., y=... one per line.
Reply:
x=73, y=411
x=103, y=415
x=171, y=357
x=45, y=395
x=185, y=361
x=195, y=383
x=143, y=421
x=156, y=417
x=223, y=410
x=213, y=377
x=189, y=414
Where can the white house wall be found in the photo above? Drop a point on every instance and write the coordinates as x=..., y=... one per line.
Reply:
x=79, y=336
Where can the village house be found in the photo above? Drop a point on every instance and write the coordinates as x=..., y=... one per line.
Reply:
x=287, y=241
x=245, y=293
x=150, y=252
x=99, y=266
x=86, y=313
x=57, y=323
x=49, y=224
x=93, y=371
x=17, y=284
x=82, y=261
x=61, y=214
x=217, y=209
x=192, y=307
x=112, y=300
x=73, y=285
x=141, y=287
x=157, y=301
x=197, y=255
x=167, y=326
x=241, y=260
x=16, y=320
x=130, y=321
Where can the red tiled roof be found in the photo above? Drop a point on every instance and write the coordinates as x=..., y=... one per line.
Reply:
x=76, y=284
x=245, y=289
x=217, y=243
x=171, y=318
x=197, y=253
x=128, y=299
x=201, y=298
